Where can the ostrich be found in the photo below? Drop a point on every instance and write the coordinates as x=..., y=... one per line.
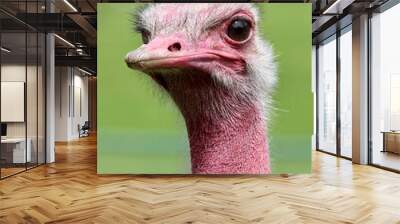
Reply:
x=220, y=73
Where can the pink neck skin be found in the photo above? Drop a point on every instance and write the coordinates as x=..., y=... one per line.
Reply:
x=236, y=146
x=226, y=132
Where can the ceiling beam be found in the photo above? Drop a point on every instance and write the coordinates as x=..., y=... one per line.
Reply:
x=337, y=7
x=320, y=22
x=83, y=61
x=86, y=27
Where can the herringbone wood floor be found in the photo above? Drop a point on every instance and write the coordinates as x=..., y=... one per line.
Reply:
x=70, y=191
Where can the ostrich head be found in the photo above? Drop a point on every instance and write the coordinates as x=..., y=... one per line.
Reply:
x=211, y=60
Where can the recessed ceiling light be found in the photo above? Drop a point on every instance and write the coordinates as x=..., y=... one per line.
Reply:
x=65, y=41
x=5, y=50
x=337, y=7
x=84, y=71
x=70, y=5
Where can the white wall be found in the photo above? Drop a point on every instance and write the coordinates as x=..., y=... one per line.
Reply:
x=81, y=103
x=62, y=82
x=9, y=73
x=16, y=73
x=71, y=102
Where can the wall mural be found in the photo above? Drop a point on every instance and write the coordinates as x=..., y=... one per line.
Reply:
x=204, y=88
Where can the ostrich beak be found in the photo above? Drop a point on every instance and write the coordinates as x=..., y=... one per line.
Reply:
x=173, y=52
x=176, y=61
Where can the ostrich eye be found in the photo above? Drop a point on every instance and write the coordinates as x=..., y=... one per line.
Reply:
x=145, y=37
x=239, y=29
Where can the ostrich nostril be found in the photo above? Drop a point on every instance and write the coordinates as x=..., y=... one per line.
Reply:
x=175, y=47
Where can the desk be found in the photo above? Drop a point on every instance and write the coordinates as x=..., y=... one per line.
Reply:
x=17, y=151
x=391, y=141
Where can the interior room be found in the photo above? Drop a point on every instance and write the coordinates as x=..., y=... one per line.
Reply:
x=22, y=102
x=51, y=123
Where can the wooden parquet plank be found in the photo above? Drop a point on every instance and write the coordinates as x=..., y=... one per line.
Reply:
x=70, y=191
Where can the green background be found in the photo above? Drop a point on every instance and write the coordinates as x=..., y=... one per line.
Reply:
x=141, y=131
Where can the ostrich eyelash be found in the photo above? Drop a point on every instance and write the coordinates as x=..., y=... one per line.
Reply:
x=217, y=22
x=139, y=24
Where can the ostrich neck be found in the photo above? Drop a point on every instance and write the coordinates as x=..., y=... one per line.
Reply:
x=227, y=133
x=232, y=145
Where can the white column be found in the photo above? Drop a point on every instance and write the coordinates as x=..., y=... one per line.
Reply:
x=50, y=99
x=360, y=90
x=50, y=92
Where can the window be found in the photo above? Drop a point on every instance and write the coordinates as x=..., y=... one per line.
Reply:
x=327, y=95
x=385, y=89
x=346, y=93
